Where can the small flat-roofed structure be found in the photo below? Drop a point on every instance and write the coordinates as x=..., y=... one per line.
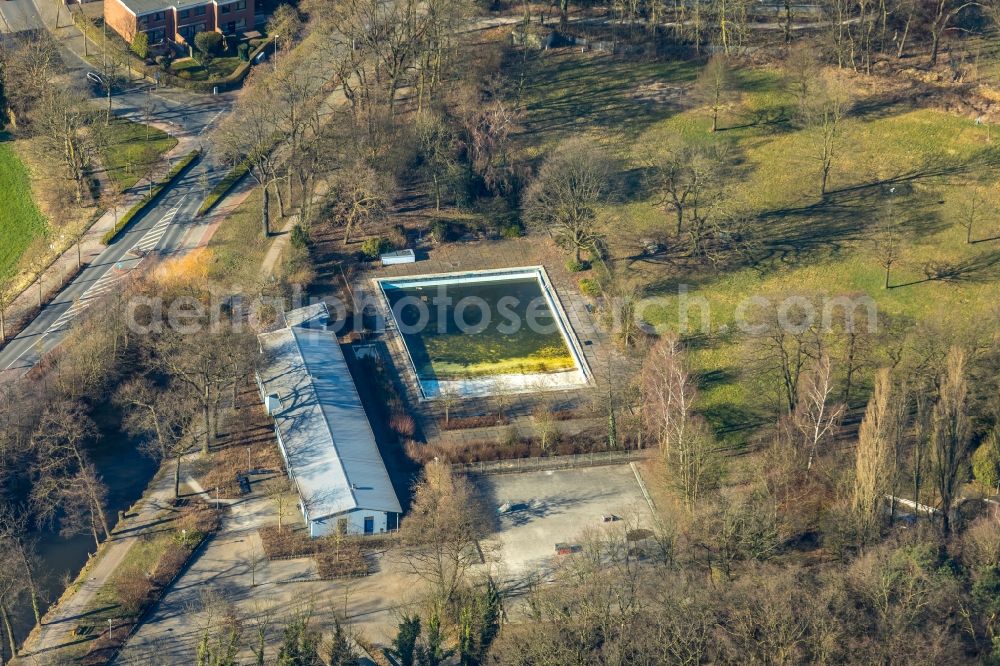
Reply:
x=322, y=429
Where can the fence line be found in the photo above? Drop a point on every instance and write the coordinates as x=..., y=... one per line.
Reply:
x=552, y=462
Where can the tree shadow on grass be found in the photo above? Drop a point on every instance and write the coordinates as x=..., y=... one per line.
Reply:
x=795, y=234
x=567, y=91
x=984, y=267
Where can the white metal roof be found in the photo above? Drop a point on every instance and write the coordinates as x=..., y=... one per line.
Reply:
x=328, y=441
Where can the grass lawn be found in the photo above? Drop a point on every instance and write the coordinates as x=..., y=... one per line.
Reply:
x=132, y=152
x=20, y=220
x=239, y=246
x=216, y=68
x=811, y=245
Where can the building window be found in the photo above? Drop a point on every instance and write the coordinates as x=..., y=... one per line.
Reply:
x=184, y=13
x=234, y=7
x=158, y=16
x=199, y=11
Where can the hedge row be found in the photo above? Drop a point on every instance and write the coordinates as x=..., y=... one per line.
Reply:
x=154, y=192
x=223, y=186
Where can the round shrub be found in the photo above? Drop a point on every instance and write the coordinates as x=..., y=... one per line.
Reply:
x=299, y=237
x=441, y=231
x=511, y=231
x=590, y=287
x=986, y=461
x=209, y=43
x=574, y=266
x=373, y=247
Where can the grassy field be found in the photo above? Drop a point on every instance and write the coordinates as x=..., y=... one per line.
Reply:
x=239, y=245
x=20, y=220
x=130, y=155
x=216, y=68
x=810, y=245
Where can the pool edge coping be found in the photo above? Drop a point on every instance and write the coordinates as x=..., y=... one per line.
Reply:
x=569, y=334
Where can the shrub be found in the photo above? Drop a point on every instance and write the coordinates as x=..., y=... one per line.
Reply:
x=170, y=563
x=511, y=231
x=466, y=422
x=371, y=248
x=590, y=287
x=442, y=231
x=343, y=561
x=986, y=461
x=209, y=43
x=223, y=187
x=403, y=425
x=574, y=266
x=132, y=589
x=287, y=543
x=244, y=51
x=299, y=237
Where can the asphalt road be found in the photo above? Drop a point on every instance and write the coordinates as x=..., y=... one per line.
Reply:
x=161, y=228
x=19, y=16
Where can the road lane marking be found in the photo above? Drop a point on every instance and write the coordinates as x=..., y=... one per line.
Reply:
x=211, y=122
x=155, y=234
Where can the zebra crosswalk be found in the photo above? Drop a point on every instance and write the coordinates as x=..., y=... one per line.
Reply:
x=155, y=234
x=107, y=282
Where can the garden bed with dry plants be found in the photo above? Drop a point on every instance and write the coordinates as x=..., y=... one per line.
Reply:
x=247, y=440
x=335, y=556
x=508, y=446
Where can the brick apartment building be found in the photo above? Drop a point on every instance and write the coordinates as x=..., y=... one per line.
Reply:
x=178, y=21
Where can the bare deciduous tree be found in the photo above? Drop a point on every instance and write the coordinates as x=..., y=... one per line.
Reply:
x=814, y=417
x=161, y=416
x=687, y=447
x=875, y=458
x=888, y=242
x=64, y=478
x=359, y=196
x=441, y=532
x=713, y=85
x=825, y=109
x=564, y=196
x=16, y=535
x=951, y=433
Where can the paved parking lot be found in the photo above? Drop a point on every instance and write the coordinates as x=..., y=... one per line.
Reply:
x=559, y=506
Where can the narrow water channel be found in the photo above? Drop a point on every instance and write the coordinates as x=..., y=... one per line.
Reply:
x=126, y=472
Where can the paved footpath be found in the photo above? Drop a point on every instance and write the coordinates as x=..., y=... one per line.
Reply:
x=60, y=620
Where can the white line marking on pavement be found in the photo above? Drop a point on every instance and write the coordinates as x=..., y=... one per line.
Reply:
x=153, y=236
x=107, y=282
x=211, y=122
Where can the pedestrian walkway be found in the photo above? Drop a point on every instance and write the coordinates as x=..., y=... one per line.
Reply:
x=57, y=627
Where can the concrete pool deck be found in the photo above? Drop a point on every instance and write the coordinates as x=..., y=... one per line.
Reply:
x=474, y=255
x=431, y=388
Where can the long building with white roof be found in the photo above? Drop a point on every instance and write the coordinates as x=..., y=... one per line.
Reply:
x=322, y=429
